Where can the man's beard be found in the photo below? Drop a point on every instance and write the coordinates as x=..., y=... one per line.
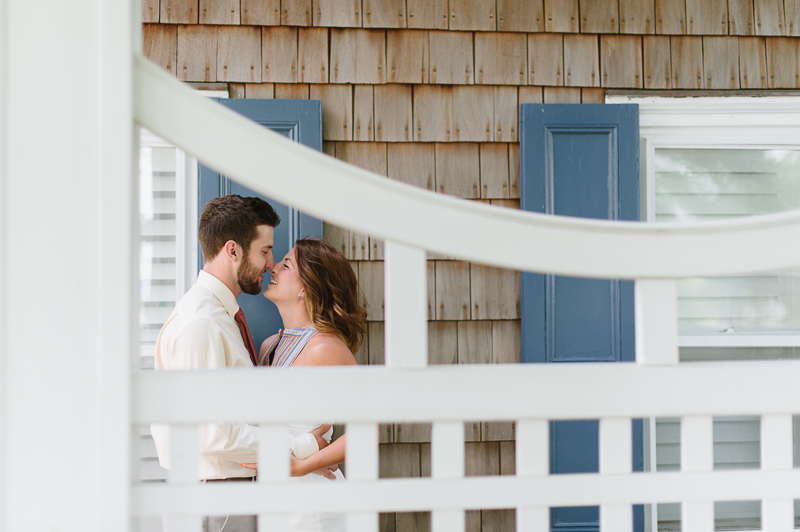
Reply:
x=247, y=277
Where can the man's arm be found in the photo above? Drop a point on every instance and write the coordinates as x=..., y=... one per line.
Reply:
x=201, y=345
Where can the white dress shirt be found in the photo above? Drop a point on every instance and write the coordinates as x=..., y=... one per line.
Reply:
x=202, y=333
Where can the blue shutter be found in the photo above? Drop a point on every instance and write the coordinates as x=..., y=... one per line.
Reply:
x=579, y=160
x=301, y=121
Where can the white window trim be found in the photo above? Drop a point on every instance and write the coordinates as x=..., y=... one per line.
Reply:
x=714, y=122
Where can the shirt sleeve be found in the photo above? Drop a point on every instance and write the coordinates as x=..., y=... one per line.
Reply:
x=202, y=345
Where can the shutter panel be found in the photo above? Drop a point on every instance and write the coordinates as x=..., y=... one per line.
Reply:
x=158, y=247
x=579, y=160
x=159, y=196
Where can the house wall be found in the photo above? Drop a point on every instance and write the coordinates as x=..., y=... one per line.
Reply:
x=427, y=92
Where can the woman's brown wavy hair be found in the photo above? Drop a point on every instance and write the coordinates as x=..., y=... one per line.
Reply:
x=332, y=296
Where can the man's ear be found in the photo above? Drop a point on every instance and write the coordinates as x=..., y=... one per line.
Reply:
x=232, y=251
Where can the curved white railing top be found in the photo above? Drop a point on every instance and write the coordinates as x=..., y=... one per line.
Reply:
x=354, y=198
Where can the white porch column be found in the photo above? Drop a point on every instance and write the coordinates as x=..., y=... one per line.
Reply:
x=69, y=267
x=3, y=258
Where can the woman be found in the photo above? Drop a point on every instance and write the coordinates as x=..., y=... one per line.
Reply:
x=317, y=295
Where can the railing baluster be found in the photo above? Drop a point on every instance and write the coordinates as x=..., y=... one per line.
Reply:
x=776, y=442
x=533, y=460
x=273, y=466
x=656, y=324
x=656, y=309
x=616, y=445
x=184, y=460
x=447, y=461
x=616, y=456
x=777, y=453
x=362, y=465
x=616, y=518
x=406, y=296
x=273, y=458
x=697, y=455
x=697, y=517
x=777, y=515
x=184, y=454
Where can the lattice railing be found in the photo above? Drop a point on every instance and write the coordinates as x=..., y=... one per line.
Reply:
x=405, y=390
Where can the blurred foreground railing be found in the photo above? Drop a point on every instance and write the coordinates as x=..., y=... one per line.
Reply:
x=412, y=220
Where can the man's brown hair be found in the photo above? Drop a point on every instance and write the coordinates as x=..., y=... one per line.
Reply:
x=233, y=217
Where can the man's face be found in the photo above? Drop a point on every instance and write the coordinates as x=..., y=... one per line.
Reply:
x=256, y=260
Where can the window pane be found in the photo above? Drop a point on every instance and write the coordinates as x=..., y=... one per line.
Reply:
x=710, y=184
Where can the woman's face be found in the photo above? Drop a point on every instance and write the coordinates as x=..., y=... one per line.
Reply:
x=285, y=285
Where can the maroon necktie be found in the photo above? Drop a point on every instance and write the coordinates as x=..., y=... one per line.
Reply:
x=248, y=340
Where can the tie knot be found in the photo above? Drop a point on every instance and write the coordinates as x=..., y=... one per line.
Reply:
x=239, y=315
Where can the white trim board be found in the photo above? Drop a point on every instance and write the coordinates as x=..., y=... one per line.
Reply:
x=739, y=340
x=777, y=116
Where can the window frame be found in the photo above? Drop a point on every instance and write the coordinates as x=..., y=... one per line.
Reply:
x=729, y=122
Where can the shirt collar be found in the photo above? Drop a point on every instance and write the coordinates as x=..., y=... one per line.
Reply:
x=222, y=292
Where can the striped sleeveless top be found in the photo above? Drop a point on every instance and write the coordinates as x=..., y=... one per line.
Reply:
x=286, y=346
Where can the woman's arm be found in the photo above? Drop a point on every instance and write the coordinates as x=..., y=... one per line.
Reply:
x=332, y=455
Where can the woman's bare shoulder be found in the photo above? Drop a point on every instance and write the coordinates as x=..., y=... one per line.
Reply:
x=325, y=350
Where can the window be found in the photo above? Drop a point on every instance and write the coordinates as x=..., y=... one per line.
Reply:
x=167, y=249
x=713, y=159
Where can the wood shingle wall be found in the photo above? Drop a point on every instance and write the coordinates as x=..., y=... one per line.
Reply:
x=427, y=92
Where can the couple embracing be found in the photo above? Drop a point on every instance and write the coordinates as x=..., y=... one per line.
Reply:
x=316, y=293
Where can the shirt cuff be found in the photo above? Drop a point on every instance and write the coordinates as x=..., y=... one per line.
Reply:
x=304, y=445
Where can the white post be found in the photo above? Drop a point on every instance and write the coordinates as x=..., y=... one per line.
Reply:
x=70, y=268
x=616, y=456
x=405, y=280
x=777, y=453
x=273, y=466
x=447, y=461
x=697, y=455
x=656, y=310
x=3, y=258
x=184, y=458
x=533, y=460
x=362, y=464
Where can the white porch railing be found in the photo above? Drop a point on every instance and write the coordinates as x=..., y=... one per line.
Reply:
x=412, y=220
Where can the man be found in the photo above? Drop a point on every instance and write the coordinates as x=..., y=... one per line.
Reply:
x=207, y=330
